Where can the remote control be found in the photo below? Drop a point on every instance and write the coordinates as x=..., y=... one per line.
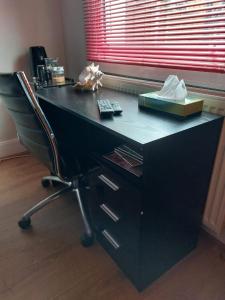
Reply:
x=105, y=108
x=117, y=108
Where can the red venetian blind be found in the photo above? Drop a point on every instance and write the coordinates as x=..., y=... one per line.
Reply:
x=173, y=34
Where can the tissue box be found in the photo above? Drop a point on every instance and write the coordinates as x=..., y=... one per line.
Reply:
x=190, y=106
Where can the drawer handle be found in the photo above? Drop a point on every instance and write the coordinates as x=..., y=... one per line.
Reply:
x=110, y=239
x=110, y=213
x=108, y=182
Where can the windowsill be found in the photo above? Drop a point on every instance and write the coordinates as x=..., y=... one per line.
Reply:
x=214, y=100
x=205, y=80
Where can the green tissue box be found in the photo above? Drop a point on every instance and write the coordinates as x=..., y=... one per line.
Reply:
x=191, y=105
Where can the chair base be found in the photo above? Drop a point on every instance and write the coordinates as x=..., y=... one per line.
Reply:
x=24, y=223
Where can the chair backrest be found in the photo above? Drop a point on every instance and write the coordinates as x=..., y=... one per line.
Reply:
x=32, y=126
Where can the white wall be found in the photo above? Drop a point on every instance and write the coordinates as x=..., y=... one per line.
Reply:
x=74, y=36
x=26, y=23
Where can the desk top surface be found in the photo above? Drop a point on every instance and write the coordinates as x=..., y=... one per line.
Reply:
x=137, y=125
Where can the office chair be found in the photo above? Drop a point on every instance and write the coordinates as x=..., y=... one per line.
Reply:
x=36, y=134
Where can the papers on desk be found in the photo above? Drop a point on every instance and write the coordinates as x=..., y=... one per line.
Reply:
x=126, y=158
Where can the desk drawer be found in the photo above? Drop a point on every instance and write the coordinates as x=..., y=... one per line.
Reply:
x=116, y=193
x=126, y=259
x=126, y=229
x=116, y=205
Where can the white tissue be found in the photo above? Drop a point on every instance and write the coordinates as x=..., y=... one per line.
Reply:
x=173, y=89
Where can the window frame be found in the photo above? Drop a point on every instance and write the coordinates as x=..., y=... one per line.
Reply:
x=201, y=79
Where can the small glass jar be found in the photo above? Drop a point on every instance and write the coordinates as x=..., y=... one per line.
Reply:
x=50, y=63
x=42, y=76
x=58, y=76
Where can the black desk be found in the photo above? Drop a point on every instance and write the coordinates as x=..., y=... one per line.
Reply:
x=149, y=223
x=137, y=125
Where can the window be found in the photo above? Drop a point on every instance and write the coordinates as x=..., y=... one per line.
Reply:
x=182, y=35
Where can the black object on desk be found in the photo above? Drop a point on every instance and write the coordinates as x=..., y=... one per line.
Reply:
x=37, y=57
x=117, y=110
x=105, y=108
x=148, y=223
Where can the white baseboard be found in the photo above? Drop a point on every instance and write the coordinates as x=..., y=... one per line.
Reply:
x=10, y=147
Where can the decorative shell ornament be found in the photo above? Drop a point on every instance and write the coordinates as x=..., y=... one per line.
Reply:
x=89, y=78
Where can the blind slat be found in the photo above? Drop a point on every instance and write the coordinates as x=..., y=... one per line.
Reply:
x=139, y=11
x=204, y=60
x=94, y=5
x=165, y=60
x=158, y=18
x=165, y=33
x=178, y=42
x=174, y=34
x=195, y=48
x=185, y=54
x=151, y=24
x=154, y=30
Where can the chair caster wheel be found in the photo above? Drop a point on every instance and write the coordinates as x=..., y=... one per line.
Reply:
x=45, y=183
x=87, y=240
x=25, y=223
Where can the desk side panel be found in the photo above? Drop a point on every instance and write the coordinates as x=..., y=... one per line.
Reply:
x=177, y=173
